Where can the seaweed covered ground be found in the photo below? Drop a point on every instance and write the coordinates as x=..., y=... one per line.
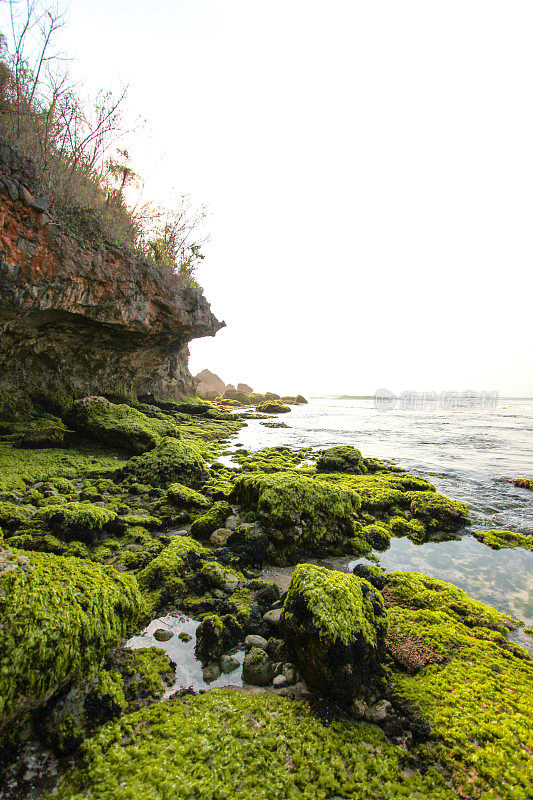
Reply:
x=380, y=685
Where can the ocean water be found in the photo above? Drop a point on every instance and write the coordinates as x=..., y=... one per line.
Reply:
x=470, y=452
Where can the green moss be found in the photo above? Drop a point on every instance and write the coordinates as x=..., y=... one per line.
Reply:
x=167, y=463
x=184, y=497
x=228, y=745
x=273, y=407
x=58, y=617
x=13, y=516
x=497, y=540
x=118, y=425
x=205, y=524
x=413, y=528
x=219, y=577
x=270, y=459
x=336, y=602
x=166, y=574
x=78, y=520
x=19, y=467
x=377, y=535
x=299, y=513
x=477, y=698
x=437, y=511
x=341, y=459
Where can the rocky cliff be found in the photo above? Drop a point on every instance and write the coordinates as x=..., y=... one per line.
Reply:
x=79, y=313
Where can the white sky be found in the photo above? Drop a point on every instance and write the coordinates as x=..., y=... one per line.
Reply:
x=368, y=167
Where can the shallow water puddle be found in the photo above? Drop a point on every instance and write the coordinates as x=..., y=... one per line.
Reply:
x=181, y=651
x=500, y=578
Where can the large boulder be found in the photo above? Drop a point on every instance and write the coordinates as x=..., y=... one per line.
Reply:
x=119, y=425
x=299, y=514
x=169, y=462
x=209, y=385
x=335, y=626
x=59, y=618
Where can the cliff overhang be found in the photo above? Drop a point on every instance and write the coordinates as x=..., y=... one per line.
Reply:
x=79, y=312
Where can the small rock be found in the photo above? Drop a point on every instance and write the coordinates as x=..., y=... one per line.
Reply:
x=289, y=674
x=257, y=669
x=275, y=649
x=232, y=522
x=218, y=594
x=252, y=640
x=220, y=537
x=378, y=711
x=210, y=672
x=228, y=664
x=358, y=708
x=277, y=604
x=161, y=635
x=273, y=617
x=279, y=681
x=185, y=637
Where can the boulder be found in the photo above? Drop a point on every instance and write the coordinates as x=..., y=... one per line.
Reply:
x=335, y=626
x=59, y=618
x=209, y=385
x=257, y=668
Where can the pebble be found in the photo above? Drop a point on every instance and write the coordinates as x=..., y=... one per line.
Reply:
x=273, y=617
x=377, y=712
x=220, y=537
x=252, y=640
x=161, y=635
x=279, y=681
x=228, y=664
x=210, y=672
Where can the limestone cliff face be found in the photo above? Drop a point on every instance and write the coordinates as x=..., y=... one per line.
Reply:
x=76, y=312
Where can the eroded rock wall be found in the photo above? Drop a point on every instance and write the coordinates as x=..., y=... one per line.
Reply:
x=80, y=313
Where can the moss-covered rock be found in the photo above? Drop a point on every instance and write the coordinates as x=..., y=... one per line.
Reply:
x=498, y=540
x=80, y=521
x=273, y=407
x=301, y=515
x=216, y=635
x=118, y=425
x=473, y=686
x=13, y=516
x=204, y=525
x=184, y=497
x=166, y=575
x=58, y=618
x=171, y=461
x=335, y=626
x=130, y=680
x=437, y=511
x=341, y=459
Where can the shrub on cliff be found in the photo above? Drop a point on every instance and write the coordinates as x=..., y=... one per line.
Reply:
x=59, y=617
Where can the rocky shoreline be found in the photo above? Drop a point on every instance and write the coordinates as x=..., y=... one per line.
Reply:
x=365, y=685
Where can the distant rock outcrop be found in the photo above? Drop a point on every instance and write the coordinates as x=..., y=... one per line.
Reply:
x=243, y=387
x=79, y=313
x=209, y=385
